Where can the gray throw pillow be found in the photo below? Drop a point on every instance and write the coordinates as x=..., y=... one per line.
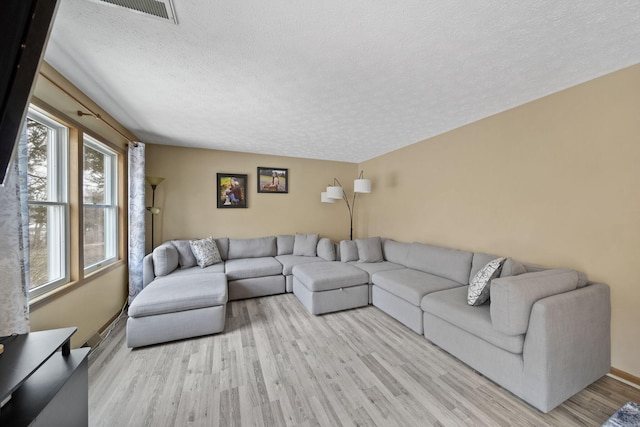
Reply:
x=326, y=249
x=348, y=251
x=165, y=259
x=479, y=287
x=186, y=259
x=205, y=251
x=285, y=244
x=305, y=244
x=369, y=250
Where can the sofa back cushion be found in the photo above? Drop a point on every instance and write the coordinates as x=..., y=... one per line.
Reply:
x=186, y=259
x=305, y=244
x=511, y=267
x=348, y=251
x=223, y=247
x=285, y=244
x=252, y=248
x=396, y=252
x=165, y=259
x=513, y=297
x=326, y=249
x=452, y=264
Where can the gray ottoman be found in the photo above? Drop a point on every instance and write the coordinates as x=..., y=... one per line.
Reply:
x=172, y=308
x=325, y=287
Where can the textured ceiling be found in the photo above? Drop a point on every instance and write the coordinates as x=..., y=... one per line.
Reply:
x=332, y=79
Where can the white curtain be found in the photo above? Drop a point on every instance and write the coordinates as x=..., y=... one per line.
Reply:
x=137, y=218
x=14, y=245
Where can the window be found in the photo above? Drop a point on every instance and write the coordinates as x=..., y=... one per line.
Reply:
x=100, y=197
x=72, y=183
x=47, y=183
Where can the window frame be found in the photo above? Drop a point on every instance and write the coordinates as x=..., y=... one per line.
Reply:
x=57, y=196
x=112, y=223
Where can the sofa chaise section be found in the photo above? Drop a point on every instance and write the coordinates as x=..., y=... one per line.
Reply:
x=175, y=307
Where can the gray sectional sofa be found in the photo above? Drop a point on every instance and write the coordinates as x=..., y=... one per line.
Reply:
x=544, y=334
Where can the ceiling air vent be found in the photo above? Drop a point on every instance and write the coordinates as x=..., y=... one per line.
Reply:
x=160, y=9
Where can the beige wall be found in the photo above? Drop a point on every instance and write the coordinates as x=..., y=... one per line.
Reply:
x=554, y=182
x=187, y=196
x=88, y=307
x=88, y=303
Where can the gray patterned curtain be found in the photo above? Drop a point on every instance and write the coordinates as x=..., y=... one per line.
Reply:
x=14, y=245
x=137, y=216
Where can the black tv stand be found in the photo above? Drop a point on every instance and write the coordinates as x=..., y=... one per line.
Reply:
x=45, y=388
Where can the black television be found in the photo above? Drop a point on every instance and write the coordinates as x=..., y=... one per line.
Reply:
x=24, y=29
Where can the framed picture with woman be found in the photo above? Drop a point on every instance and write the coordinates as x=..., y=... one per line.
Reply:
x=273, y=180
x=232, y=190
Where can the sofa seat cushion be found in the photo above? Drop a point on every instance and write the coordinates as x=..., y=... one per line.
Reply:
x=324, y=276
x=215, y=268
x=290, y=261
x=248, y=268
x=374, y=267
x=451, y=306
x=411, y=285
x=171, y=294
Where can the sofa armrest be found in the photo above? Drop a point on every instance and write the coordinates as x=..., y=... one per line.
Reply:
x=513, y=297
x=147, y=270
x=567, y=346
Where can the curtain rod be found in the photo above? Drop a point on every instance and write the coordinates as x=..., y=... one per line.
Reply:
x=91, y=113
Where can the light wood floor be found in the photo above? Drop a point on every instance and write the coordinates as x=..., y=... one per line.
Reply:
x=276, y=365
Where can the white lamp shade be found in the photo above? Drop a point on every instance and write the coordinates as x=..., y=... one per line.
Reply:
x=325, y=199
x=362, y=186
x=335, y=192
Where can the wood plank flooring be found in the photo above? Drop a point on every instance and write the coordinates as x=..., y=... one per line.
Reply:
x=277, y=365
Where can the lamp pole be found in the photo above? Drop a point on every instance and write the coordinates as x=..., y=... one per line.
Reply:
x=153, y=182
x=153, y=204
x=350, y=206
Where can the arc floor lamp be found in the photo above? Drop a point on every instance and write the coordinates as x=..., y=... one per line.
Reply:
x=336, y=192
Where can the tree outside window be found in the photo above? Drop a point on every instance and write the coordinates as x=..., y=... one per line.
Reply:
x=47, y=174
x=100, y=208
